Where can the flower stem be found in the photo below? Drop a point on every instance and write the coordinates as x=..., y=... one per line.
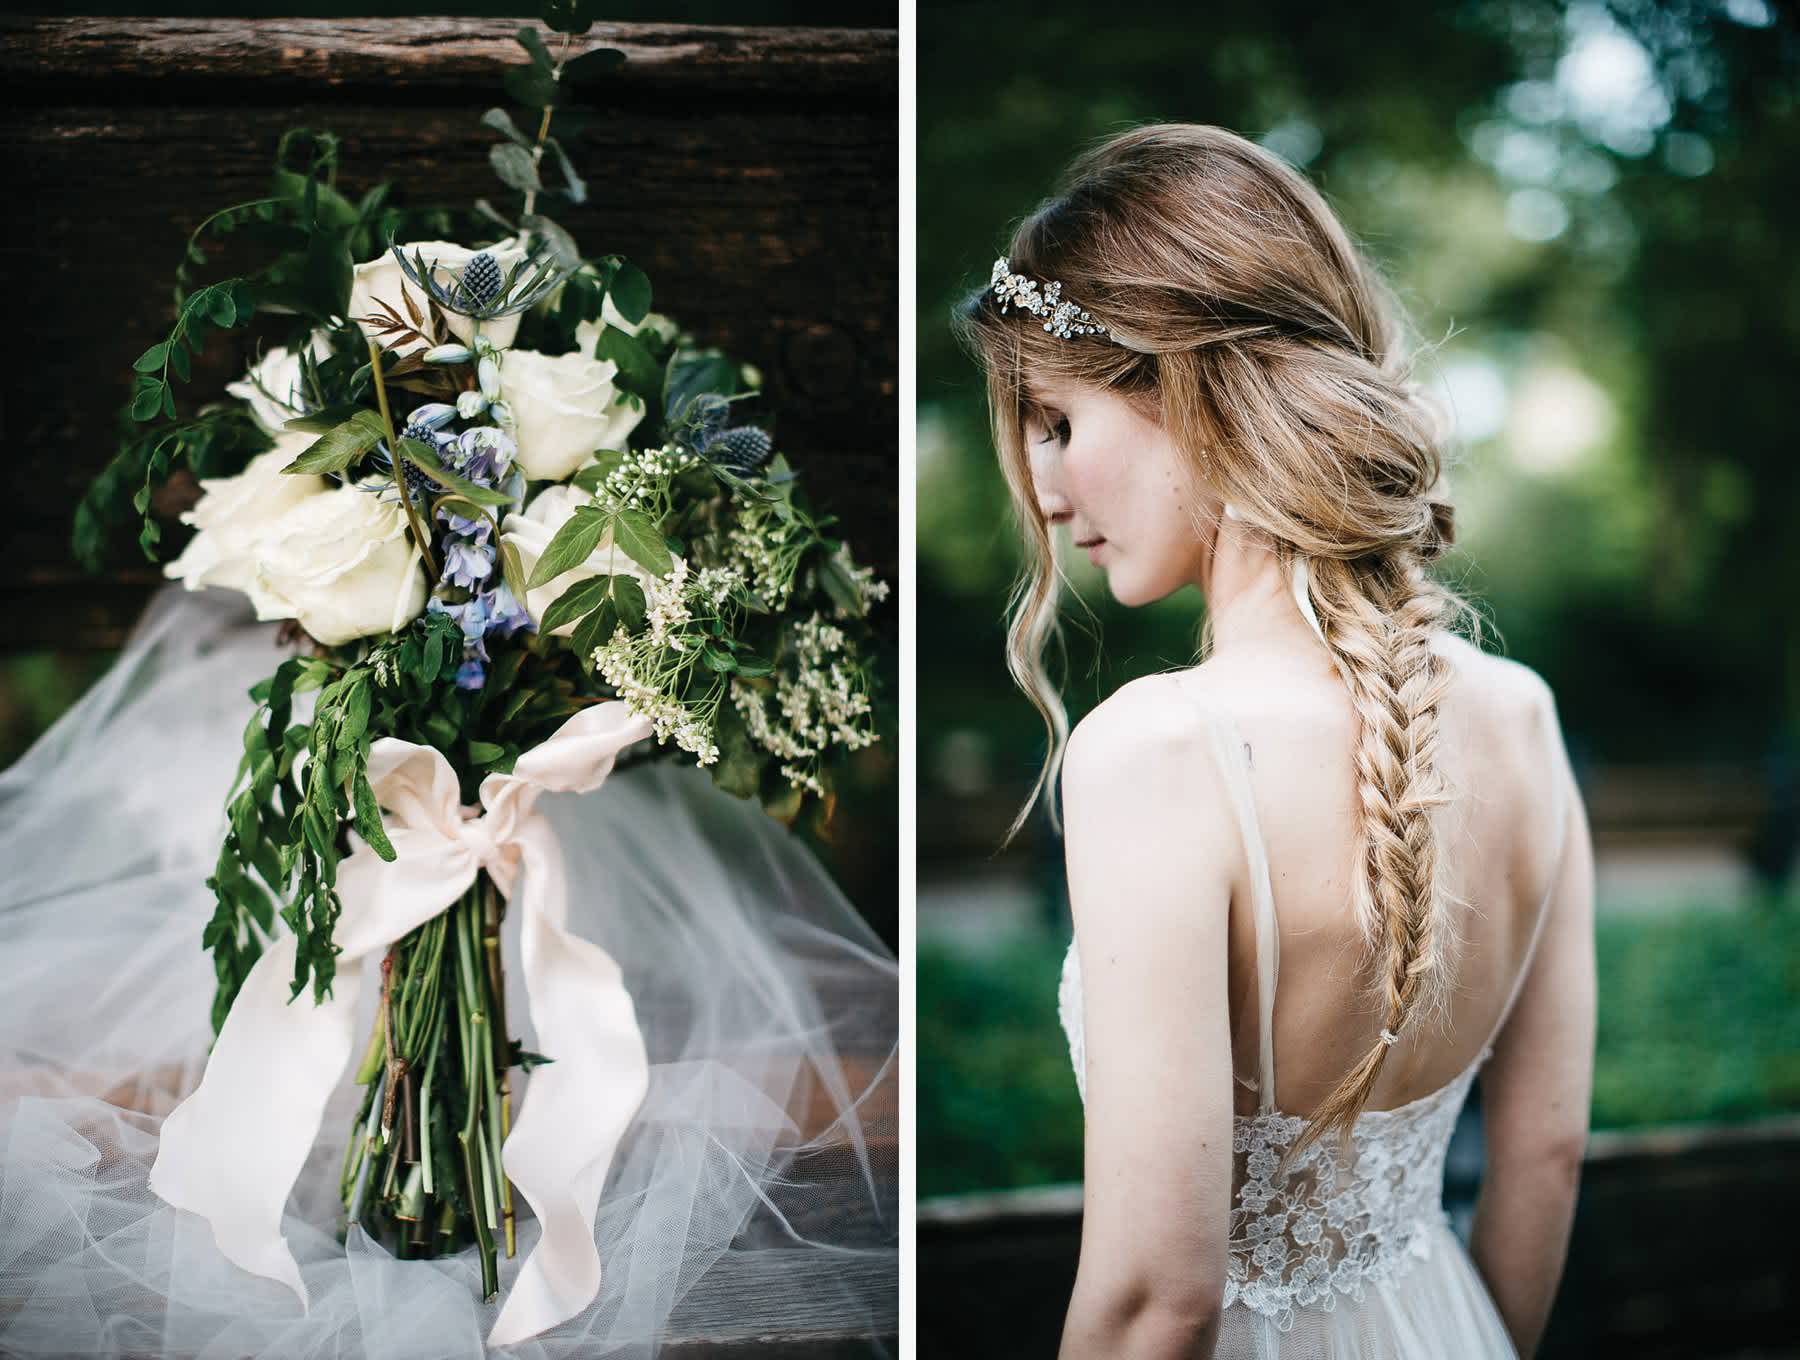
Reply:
x=537, y=152
x=420, y=537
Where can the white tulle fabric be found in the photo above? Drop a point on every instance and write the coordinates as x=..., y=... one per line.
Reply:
x=1344, y=1256
x=752, y=1195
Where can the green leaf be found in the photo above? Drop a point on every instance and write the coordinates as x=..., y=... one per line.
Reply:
x=421, y=456
x=570, y=16
x=639, y=374
x=341, y=446
x=368, y=820
x=574, y=602
x=501, y=121
x=572, y=545
x=513, y=165
x=153, y=359
x=512, y=570
x=628, y=599
x=596, y=628
x=530, y=86
x=576, y=186
x=323, y=422
x=221, y=308
x=634, y=531
x=594, y=65
x=753, y=667
x=486, y=752
x=606, y=462
x=179, y=361
x=631, y=292
x=147, y=403
x=838, y=585
x=717, y=659
x=532, y=41
x=434, y=654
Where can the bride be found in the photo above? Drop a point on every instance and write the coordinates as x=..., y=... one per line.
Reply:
x=1324, y=878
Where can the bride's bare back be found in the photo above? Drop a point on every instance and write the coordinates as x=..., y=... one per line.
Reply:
x=1499, y=840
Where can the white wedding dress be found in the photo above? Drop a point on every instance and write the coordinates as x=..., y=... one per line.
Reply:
x=1340, y=1260
x=754, y=1194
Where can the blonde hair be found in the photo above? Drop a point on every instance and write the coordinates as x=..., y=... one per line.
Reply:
x=1243, y=318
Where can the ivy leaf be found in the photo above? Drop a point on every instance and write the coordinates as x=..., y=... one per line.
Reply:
x=631, y=292
x=341, y=446
x=572, y=545
x=635, y=532
x=513, y=165
x=575, y=602
x=594, y=65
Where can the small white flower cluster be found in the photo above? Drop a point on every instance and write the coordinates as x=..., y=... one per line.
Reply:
x=667, y=607
x=630, y=668
x=641, y=480
x=869, y=590
x=819, y=699
x=766, y=552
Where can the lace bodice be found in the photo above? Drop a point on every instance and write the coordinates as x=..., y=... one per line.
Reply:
x=1325, y=1228
x=1333, y=1223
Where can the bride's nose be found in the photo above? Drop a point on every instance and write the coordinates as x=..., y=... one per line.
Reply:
x=1046, y=482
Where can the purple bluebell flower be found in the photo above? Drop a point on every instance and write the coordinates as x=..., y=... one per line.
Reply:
x=467, y=564
x=471, y=674
x=484, y=454
x=506, y=614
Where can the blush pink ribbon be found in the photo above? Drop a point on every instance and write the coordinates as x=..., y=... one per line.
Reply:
x=232, y=1150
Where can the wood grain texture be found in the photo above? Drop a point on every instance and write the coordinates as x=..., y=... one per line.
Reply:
x=752, y=174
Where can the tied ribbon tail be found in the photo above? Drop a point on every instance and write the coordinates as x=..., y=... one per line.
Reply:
x=232, y=1150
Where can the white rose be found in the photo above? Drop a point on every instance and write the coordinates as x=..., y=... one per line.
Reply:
x=530, y=533
x=234, y=513
x=564, y=408
x=272, y=387
x=382, y=279
x=342, y=564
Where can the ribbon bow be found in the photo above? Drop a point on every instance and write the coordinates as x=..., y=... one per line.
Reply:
x=231, y=1151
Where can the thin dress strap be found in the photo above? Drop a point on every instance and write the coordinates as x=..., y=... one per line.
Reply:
x=1564, y=796
x=1233, y=758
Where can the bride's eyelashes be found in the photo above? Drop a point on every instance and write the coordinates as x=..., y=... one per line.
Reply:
x=1055, y=431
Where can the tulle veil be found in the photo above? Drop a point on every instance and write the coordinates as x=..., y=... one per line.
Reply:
x=754, y=1196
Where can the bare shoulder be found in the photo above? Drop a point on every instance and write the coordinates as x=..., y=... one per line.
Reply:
x=1141, y=792
x=1149, y=718
x=1499, y=690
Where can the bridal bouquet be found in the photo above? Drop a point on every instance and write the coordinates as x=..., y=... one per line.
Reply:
x=517, y=522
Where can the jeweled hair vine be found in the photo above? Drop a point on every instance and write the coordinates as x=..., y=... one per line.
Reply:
x=1226, y=301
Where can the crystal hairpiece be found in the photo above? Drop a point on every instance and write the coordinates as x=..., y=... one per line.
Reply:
x=1062, y=319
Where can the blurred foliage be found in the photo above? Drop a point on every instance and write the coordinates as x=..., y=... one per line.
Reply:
x=1697, y=1023
x=1586, y=208
x=36, y=688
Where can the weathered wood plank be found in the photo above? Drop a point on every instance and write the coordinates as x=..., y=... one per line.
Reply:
x=403, y=56
x=753, y=174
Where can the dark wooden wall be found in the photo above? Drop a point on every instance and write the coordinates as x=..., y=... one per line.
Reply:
x=752, y=173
